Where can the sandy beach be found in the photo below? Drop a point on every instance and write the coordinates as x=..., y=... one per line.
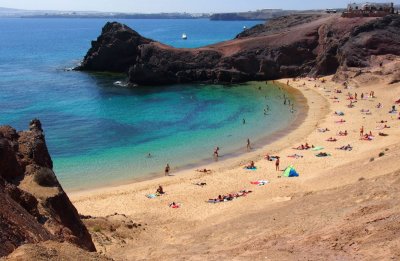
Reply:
x=286, y=219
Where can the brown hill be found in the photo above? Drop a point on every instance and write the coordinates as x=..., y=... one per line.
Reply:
x=296, y=45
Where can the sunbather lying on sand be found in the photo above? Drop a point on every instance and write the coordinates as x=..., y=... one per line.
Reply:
x=331, y=139
x=343, y=133
x=322, y=154
x=201, y=184
x=348, y=147
x=295, y=156
x=174, y=205
x=250, y=165
x=340, y=121
x=203, y=170
x=260, y=182
x=366, y=137
x=229, y=197
x=304, y=147
x=382, y=127
x=270, y=158
x=383, y=134
x=323, y=130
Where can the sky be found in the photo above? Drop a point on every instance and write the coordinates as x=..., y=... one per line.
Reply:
x=190, y=6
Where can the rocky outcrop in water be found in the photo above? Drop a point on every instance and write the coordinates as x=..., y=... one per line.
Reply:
x=312, y=45
x=33, y=205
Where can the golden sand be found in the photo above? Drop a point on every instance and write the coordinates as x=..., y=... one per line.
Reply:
x=177, y=230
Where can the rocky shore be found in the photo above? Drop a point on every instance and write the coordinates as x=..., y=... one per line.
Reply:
x=291, y=46
x=33, y=206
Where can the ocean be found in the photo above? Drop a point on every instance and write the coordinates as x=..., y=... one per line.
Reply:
x=100, y=134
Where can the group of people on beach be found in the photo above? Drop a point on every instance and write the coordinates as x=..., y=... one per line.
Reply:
x=251, y=165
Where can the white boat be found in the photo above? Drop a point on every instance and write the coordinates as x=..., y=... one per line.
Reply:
x=244, y=27
x=184, y=36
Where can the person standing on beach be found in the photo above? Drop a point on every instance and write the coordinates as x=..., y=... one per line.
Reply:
x=277, y=164
x=248, y=145
x=362, y=131
x=216, y=155
x=167, y=168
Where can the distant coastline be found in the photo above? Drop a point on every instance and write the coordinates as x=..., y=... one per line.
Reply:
x=258, y=15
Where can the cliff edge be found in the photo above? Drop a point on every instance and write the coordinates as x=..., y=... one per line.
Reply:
x=33, y=206
x=291, y=46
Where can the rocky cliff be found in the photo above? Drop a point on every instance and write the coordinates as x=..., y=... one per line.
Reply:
x=33, y=205
x=296, y=45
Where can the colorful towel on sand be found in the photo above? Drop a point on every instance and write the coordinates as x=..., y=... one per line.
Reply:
x=153, y=195
x=317, y=148
x=260, y=182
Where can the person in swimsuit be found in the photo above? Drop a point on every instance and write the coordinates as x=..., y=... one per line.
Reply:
x=277, y=164
x=216, y=155
x=167, y=168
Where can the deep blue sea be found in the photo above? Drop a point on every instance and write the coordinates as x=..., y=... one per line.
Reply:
x=99, y=133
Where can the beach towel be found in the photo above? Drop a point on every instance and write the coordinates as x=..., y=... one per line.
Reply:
x=177, y=205
x=339, y=113
x=260, y=182
x=317, y=148
x=152, y=195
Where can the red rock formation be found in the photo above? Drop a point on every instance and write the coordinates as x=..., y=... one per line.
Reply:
x=291, y=46
x=33, y=205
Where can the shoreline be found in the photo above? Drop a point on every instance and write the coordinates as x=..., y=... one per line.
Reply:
x=343, y=190
x=235, y=158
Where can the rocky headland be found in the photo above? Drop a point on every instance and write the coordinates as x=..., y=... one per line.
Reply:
x=290, y=46
x=33, y=206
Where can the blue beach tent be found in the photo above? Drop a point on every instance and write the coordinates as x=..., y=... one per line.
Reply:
x=290, y=172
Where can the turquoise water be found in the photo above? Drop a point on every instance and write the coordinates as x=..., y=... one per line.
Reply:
x=98, y=133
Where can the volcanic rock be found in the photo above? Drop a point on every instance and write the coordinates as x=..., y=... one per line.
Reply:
x=291, y=46
x=33, y=205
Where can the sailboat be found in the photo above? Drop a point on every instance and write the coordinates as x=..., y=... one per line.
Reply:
x=184, y=36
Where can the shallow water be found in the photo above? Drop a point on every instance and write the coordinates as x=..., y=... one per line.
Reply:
x=98, y=133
